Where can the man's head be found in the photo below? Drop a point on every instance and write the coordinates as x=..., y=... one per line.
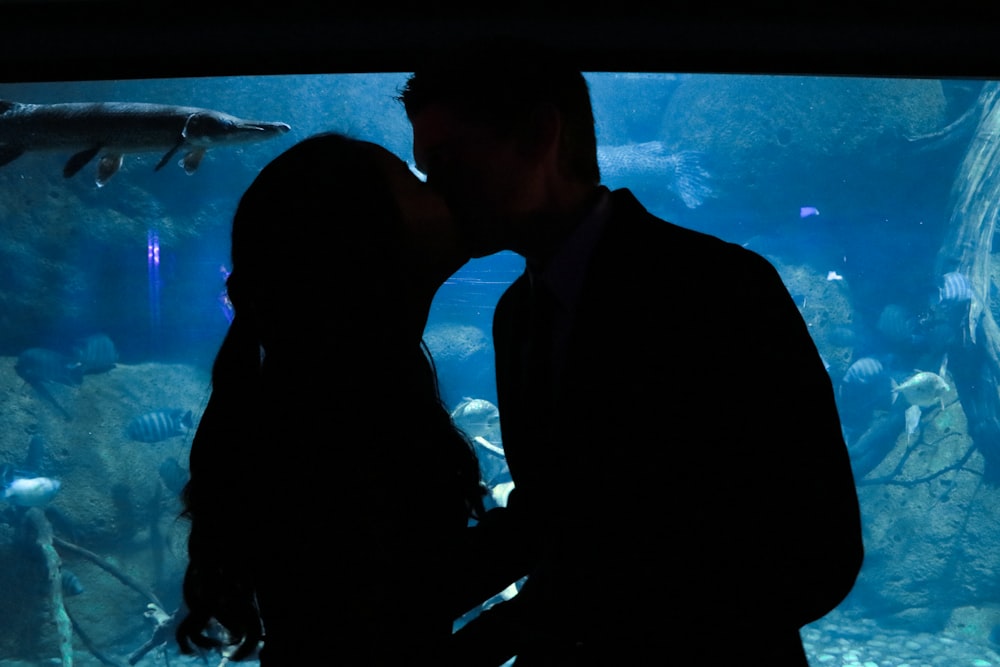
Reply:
x=505, y=130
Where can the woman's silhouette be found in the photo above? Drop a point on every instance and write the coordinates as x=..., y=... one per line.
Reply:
x=329, y=490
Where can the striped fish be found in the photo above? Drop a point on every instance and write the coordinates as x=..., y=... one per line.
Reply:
x=96, y=353
x=159, y=425
x=865, y=370
x=956, y=288
x=898, y=325
x=71, y=584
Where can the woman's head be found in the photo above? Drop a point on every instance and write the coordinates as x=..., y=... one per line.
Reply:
x=337, y=223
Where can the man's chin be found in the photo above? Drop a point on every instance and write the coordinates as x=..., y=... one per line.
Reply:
x=479, y=246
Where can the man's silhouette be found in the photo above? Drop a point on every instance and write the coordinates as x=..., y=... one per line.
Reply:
x=683, y=493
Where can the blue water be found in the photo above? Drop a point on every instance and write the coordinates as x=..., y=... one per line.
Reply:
x=847, y=185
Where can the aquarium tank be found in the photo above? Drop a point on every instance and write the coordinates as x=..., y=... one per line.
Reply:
x=875, y=198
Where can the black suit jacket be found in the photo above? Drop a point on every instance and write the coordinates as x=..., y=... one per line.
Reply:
x=688, y=481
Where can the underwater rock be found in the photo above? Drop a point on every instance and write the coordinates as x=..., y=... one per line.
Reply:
x=826, y=306
x=111, y=501
x=932, y=526
x=774, y=131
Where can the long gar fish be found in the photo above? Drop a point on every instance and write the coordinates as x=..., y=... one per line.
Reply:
x=115, y=128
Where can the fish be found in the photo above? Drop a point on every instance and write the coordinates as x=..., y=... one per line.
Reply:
x=955, y=289
x=500, y=493
x=476, y=417
x=31, y=491
x=865, y=370
x=95, y=353
x=37, y=364
x=32, y=463
x=651, y=163
x=924, y=388
x=115, y=128
x=70, y=584
x=864, y=385
x=159, y=425
x=174, y=476
x=898, y=325
x=24, y=485
x=808, y=211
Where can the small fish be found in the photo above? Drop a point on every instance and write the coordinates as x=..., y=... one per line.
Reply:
x=898, y=325
x=36, y=365
x=159, y=425
x=808, y=211
x=922, y=389
x=651, y=163
x=96, y=353
x=31, y=491
x=864, y=371
x=71, y=584
x=476, y=417
x=842, y=336
x=956, y=289
x=833, y=275
x=174, y=476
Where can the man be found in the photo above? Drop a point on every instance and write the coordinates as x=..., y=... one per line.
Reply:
x=682, y=489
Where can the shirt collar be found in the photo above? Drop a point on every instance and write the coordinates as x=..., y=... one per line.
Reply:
x=564, y=272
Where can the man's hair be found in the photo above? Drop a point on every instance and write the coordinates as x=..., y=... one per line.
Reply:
x=502, y=83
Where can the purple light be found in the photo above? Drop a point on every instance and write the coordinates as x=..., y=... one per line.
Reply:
x=153, y=271
x=153, y=247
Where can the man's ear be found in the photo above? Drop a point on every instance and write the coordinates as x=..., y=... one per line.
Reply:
x=541, y=134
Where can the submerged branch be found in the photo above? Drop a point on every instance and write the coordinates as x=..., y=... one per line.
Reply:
x=89, y=643
x=53, y=566
x=108, y=567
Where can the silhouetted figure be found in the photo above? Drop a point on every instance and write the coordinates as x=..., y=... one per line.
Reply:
x=329, y=490
x=675, y=445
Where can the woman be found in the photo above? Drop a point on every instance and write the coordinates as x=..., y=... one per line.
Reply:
x=329, y=489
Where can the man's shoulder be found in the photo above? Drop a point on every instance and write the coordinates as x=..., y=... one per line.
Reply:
x=645, y=230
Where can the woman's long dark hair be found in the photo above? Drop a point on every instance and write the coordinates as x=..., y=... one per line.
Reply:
x=318, y=221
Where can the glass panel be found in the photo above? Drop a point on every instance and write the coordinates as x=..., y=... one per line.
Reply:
x=875, y=199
